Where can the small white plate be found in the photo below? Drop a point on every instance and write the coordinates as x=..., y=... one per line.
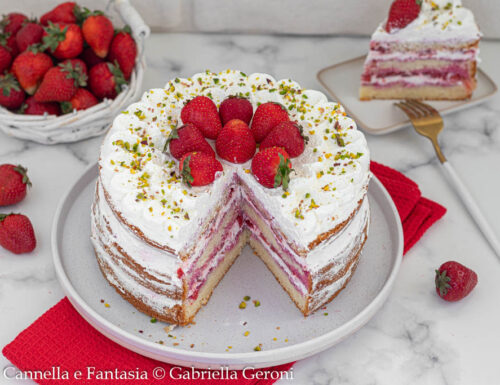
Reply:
x=379, y=117
x=221, y=323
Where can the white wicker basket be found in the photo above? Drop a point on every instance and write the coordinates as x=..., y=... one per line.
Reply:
x=94, y=121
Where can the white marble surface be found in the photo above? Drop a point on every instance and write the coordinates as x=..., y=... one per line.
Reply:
x=416, y=338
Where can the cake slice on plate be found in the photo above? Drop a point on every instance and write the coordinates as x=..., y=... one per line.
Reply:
x=424, y=50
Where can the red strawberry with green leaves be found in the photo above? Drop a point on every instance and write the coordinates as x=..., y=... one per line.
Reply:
x=187, y=139
x=90, y=58
x=454, y=281
x=106, y=80
x=199, y=168
x=63, y=41
x=123, y=50
x=98, y=32
x=13, y=184
x=30, y=67
x=5, y=58
x=32, y=107
x=60, y=83
x=236, y=107
x=65, y=13
x=77, y=64
x=30, y=33
x=287, y=135
x=11, y=94
x=266, y=117
x=271, y=167
x=12, y=22
x=202, y=112
x=9, y=41
x=402, y=13
x=235, y=142
x=81, y=100
x=16, y=233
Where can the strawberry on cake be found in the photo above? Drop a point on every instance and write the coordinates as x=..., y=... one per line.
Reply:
x=196, y=170
x=424, y=50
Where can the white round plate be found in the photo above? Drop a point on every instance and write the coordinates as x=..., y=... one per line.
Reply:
x=217, y=337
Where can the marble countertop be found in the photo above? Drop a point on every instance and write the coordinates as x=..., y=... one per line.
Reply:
x=416, y=338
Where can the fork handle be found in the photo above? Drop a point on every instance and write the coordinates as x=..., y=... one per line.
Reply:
x=472, y=207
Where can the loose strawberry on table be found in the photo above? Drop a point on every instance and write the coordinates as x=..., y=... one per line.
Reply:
x=235, y=142
x=271, y=167
x=106, y=80
x=202, y=112
x=198, y=168
x=30, y=67
x=11, y=94
x=13, y=184
x=63, y=41
x=16, y=233
x=98, y=33
x=30, y=33
x=236, y=107
x=454, y=281
x=123, y=50
x=60, y=83
x=187, y=139
x=287, y=135
x=32, y=107
x=266, y=117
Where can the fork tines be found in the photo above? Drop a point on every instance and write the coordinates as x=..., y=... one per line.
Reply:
x=416, y=109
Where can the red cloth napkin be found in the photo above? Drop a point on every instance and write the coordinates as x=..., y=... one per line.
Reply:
x=62, y=339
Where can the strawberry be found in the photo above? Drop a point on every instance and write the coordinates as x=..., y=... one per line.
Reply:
x=287, y=135
x=64, y=13
x=77, y=64
x=11, y=95
x=187, y=139
x=29, y=68
x=272, y=167
x=124, y=50
x=13, y=183
x=63, y=41
x=16, y=233
x=90, y=58
x=60, y=83
x=202, y=112
x=402, y=13
x=30, y=33
x=32, y=107
x=5, y=58
x=81, y=100
x=235, y=142
x=98, y=33
x=266, y=117
x=106, y=80
x=235, y=107
x=13, y=22
x=454, y=281
x=199, y=168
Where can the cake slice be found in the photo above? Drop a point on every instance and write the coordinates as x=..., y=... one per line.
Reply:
x=424, y=50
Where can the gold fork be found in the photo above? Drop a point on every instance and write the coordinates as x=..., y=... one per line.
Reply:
x=428, y=122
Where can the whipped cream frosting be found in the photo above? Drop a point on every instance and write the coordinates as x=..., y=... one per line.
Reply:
x=439, y=20
x=143, y=183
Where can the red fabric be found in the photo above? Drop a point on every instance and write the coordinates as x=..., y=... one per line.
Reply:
x=62, y=338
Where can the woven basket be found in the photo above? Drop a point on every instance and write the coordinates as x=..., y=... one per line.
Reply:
x=94, y=121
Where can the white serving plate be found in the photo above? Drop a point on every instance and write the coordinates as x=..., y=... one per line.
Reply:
x=381, y=116
x=221, y=323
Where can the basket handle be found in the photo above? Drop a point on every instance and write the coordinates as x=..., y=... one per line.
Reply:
x=131, y=17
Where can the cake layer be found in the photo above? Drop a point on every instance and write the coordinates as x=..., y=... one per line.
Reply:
x=427, y=92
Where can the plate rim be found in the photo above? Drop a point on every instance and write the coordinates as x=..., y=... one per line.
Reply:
x=233, y=361
x=398, y=126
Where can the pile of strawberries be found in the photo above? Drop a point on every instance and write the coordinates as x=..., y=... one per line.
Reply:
x=16, y=230
x=68, y=60
x=237, y=132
